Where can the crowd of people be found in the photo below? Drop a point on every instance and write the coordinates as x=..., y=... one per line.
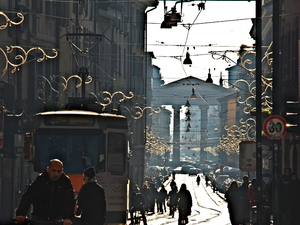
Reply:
x=242, y=200
x=145, y=199
x=52, y=198
x=289, y=197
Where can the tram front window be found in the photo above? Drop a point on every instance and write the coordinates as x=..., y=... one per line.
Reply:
x=77, y=151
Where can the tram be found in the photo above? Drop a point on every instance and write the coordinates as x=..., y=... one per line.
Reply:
x=81, y=139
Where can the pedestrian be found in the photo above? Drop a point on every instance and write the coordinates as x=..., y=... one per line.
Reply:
x=173, y=183
x=198, y=180
x=294, y=199
x=252, y=196
x=206, y=180
x=161, y=199
x=152, y=199
x=172, y=196
x=51, y=196
x=173, y=175
x=145, y=191
x=184, y=203
x=245, y=204
x=158, y=180
x=284, y=195
x=137, y=204
x=232, y=198
x=136, y=189
x=91, y=203
x=214, y=184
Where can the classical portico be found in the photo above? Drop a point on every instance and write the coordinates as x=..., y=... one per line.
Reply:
x=177, y=93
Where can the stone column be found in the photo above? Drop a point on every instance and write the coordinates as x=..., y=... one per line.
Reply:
x=176, y=135
x=204, y=132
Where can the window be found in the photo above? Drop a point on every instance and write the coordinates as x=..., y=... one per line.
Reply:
x=76, y=149
x=116, y=152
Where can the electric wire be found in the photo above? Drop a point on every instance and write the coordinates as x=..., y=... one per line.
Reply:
x=194, y=22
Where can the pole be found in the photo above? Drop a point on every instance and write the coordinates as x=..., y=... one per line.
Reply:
x=83, y=73
x=275, y=183
x=258, y=110
x=277, y=103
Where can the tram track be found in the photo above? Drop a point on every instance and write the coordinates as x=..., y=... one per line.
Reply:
x=215, y=213
x=207, y=209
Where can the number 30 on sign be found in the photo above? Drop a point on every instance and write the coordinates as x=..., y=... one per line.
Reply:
x=274, y=127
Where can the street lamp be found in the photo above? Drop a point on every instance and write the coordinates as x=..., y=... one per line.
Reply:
x=171, y=18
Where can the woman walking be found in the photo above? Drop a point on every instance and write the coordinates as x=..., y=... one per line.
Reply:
x=232, y=197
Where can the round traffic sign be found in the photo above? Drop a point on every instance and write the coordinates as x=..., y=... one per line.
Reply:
x=274, y=127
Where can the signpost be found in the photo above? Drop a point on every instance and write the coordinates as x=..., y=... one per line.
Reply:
x=274, y=127
x=247, y=156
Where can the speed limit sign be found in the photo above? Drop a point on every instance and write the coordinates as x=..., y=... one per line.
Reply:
x=274, y=127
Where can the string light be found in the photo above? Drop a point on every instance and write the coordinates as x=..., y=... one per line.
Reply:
x=229, y=143
x=20, y=58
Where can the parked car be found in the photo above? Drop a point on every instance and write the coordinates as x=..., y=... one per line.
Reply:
x=193, y=171
x=223, y=182
x=177, y=169
x=185, y=169
x=205, y=168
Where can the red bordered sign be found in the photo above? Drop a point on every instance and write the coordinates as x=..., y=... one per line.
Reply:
x=274, y=127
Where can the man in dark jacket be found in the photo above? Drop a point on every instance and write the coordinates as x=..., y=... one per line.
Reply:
x=51, y=195
x=91, y=203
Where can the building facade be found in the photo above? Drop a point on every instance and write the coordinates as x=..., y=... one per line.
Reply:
x=99, y=44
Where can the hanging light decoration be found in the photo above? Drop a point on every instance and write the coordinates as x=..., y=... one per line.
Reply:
x=188, y=113
x=221, y=80
x=171, y=18
x=187, y=104
x=193, y=96
x=209, y=80
x=187, y=59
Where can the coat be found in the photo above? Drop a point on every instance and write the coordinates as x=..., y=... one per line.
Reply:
x=162, y=195
x=252, y=195
x=232, y=196
x=185, y=201
x=91, y=204
x=51, y=200
x=173, y=196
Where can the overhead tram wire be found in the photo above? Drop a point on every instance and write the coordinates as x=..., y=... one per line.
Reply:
x=217, y=21
x=191, y=45
x=189, y=27
x=154, y=23
x=90, y=2
x=58, y=1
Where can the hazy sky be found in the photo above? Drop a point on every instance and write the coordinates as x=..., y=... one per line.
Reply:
x=223, y=25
